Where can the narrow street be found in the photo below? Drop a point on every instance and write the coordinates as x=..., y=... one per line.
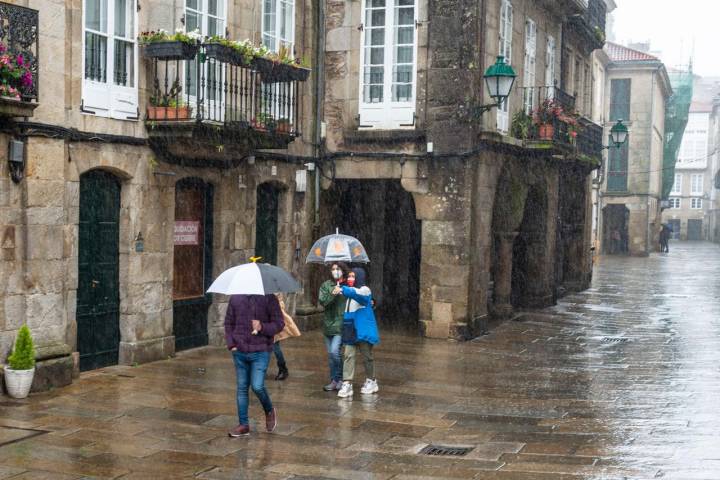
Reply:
x=619, y=381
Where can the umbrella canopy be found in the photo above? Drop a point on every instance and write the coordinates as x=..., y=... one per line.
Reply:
x=254, y=279
x=337, y=248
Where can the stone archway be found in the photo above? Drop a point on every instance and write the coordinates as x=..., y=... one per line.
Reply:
x=616, y=219
x=381, y=214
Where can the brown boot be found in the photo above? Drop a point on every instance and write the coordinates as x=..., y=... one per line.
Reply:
x=271, y=420
x=239, y=431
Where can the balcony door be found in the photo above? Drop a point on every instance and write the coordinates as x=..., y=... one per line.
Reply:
x=209, y=18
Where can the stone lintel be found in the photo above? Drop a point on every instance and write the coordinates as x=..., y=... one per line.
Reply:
x=144, y=351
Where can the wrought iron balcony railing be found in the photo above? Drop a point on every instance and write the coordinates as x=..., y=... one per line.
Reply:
x=533, y=97
x=202, y=87
x=19, y=37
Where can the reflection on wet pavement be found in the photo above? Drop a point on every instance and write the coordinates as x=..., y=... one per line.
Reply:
x=620, y=381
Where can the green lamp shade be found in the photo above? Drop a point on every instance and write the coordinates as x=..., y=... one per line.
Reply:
x=618, y=133
x=499, y=79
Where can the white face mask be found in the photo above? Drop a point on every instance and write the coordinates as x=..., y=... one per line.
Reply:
x=337, y=274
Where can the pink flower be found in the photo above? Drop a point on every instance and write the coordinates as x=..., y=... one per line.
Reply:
x=2, y=48
x=26, y=79
x=5, y=60
x=19, y=60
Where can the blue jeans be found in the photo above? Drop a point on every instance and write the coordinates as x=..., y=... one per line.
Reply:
x=279, y=357
x=332, y=343
x=250, y=369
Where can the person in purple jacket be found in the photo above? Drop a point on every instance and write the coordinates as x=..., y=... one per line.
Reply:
x=251, y=323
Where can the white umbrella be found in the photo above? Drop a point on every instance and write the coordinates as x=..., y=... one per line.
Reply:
x=254, y=279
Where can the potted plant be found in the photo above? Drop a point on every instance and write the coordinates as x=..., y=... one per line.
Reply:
x=521, y=125
x=262, y=121
x=544, y=117
x=20, y=368
x=283, y=126
x=178, y=46
x=15, y=75
x=229, y=51
x=168, y=106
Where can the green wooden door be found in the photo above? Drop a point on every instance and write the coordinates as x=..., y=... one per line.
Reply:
x=266, y=223
x=98, y=298
x=192, y=262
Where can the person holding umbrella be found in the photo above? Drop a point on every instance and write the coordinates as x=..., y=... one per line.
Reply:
x=252, y=320
x=334, y=306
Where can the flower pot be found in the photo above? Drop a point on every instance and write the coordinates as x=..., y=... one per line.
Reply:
x=283, y=127
x=224, y=53
x=546, y=131
x=168, y=113
x=170, y=50
x=300, y=73
x=18, y=382
x=266, y=68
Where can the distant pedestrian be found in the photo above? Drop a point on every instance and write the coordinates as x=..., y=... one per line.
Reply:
x=251, y=323
x=616, y=242
x=360, y=332
x=290, y=330
x=334, y=306
x=665, y=232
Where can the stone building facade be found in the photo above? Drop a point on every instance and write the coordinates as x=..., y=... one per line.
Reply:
x=121, y=219
x=94, y=257
x=488, y=221
x=629, y=208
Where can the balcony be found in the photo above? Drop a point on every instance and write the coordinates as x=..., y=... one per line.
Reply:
x=19, y=44
x=564, y=133
x=209, y=108
x=591, y=23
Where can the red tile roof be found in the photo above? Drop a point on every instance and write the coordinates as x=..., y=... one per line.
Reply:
x=619, y=53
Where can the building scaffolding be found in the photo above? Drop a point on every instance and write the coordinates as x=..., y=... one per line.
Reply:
x=676, y=119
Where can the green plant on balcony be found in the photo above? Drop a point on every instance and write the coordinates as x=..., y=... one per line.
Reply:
x=15, y=74
x=521, y=125
x=160, y=35
x=548, y=113
x=599, y=34
x=169, y=105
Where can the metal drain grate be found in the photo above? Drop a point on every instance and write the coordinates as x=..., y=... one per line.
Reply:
x=443, y=450
x=614, y=340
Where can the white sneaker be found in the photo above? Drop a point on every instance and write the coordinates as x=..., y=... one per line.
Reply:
x=370, y=387
x=346, y=390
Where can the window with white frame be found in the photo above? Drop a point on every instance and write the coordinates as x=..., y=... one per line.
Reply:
x=550, y=58
x=388, y=64
x=696, y=203
x=110, y=59
x=505, y=47
x=207, y=17
x=696, y=184
x=279, y=25
x=677, y=186
x=529, y=66
x=675, y=202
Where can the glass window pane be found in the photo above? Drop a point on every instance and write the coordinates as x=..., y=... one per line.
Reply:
x=96, y=15
x=215, y=27
x=405, y=35
x=124, y=64
x=406, y=3
x=95, y=57
x=192, y=21
x=403, y=74
x=286, y=26
x=375, y=36
x=192, y=4
x=373, y=94
x=404, y=55
x=374, y=75
x=269, y=42
x=375, y=18
x=121, y=18
x=212, y=7
x=377, y=56
x=401, y=93
x=405, y=16
x=375, y=4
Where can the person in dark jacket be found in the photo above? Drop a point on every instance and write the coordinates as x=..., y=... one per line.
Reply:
x=334, y=306
x=251, y=323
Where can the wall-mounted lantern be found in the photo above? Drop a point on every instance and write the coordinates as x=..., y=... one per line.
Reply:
x=618, y=135
x=499, y=79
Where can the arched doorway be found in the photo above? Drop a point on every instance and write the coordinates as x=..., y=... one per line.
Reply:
x=98, y=294
x=192, y=262
x=266, y=222
x=530, y=250
x=615, y=229
x=381, y=214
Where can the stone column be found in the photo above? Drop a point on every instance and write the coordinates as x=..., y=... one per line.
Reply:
x=502, y=306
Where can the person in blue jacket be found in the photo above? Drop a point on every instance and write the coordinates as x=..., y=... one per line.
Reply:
x=359, y=332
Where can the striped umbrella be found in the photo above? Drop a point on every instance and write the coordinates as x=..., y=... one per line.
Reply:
x=254, y=279
x=337, y=248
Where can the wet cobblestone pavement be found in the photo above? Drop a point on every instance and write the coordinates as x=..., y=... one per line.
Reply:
x=620, y=381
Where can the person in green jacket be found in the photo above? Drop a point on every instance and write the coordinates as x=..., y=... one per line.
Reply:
x=334, y=306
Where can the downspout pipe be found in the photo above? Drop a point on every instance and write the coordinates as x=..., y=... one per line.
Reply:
x=319, y=95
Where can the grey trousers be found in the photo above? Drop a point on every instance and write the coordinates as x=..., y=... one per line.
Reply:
x=366, y=350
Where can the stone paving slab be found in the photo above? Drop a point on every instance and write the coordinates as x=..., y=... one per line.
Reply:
x=617, y=382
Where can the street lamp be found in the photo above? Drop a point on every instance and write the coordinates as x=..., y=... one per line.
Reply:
x=618, y=135
x=499, y=79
